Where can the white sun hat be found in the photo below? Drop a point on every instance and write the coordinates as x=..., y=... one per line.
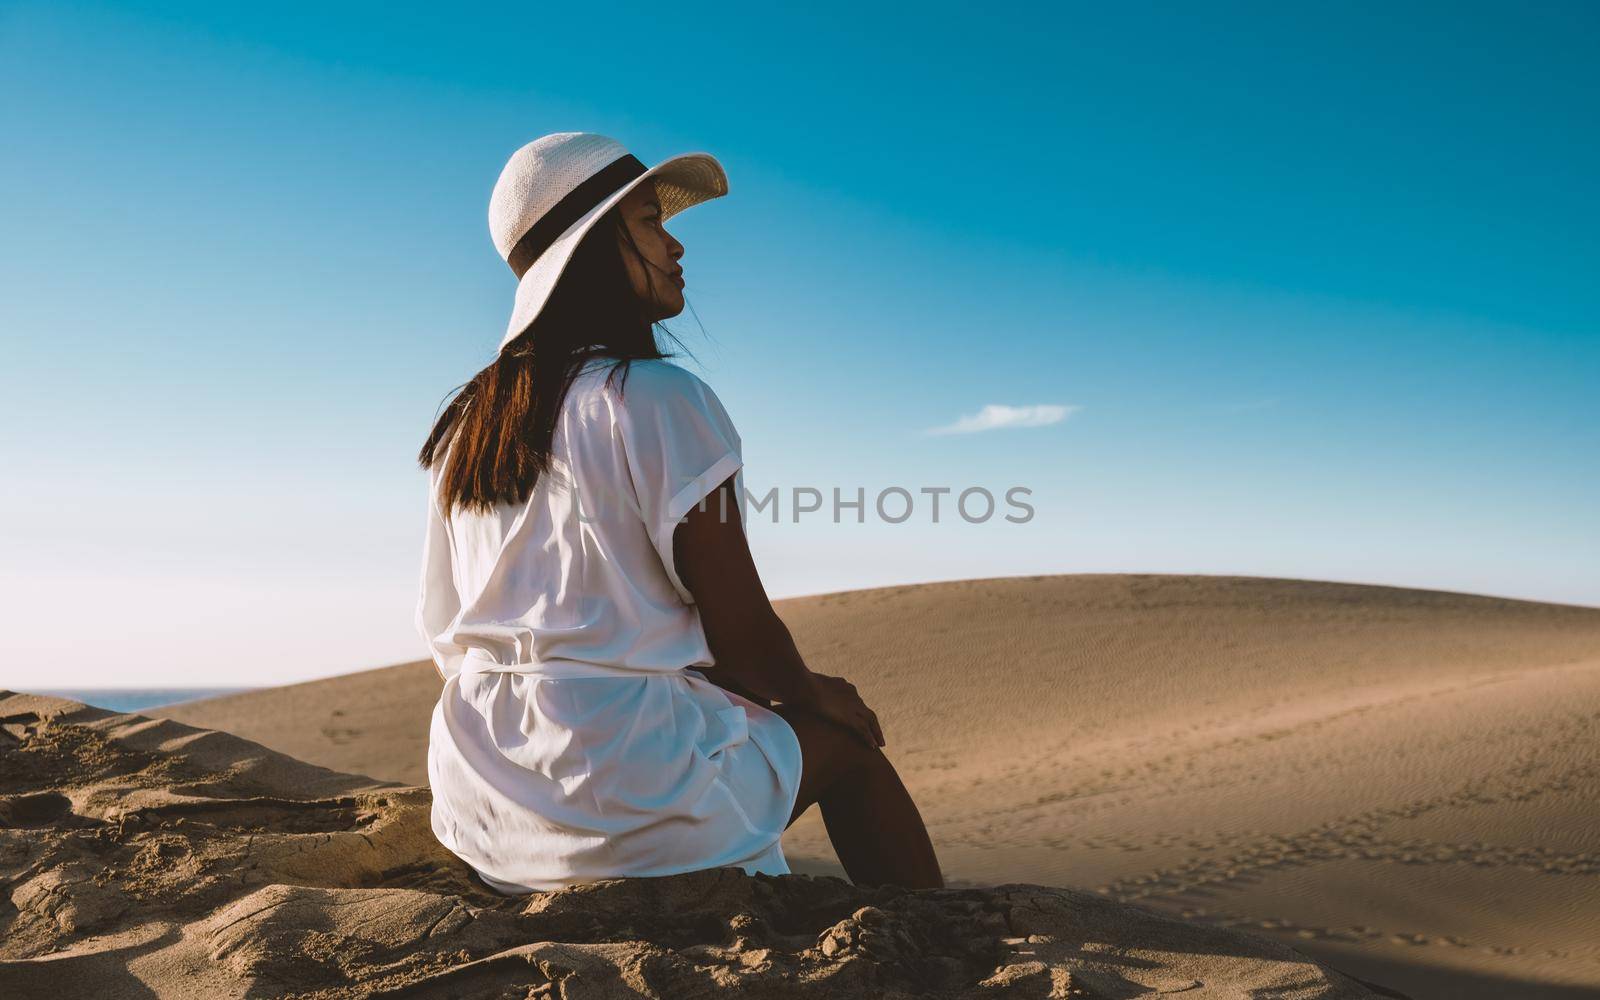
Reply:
x=554, y=188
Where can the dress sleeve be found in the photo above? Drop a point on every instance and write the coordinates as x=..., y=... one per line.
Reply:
x=680, y=446
x=438, y=603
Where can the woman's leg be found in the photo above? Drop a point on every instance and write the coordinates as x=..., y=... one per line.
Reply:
x=875, y=827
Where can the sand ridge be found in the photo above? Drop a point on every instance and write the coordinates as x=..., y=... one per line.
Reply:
x=146, y=858
x=1401, y=782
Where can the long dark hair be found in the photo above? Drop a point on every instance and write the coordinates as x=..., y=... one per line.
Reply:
x=495, y=434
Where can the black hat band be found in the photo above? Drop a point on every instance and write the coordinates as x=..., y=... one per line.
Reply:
x=572, y=207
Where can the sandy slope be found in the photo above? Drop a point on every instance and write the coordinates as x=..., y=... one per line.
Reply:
x=147, y=858
x=1403, y=782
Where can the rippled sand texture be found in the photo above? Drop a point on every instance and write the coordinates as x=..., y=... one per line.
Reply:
x=1402, y=782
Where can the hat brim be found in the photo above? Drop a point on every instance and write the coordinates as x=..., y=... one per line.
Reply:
x=681, y=181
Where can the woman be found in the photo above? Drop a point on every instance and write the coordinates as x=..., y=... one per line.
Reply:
x=619, y=696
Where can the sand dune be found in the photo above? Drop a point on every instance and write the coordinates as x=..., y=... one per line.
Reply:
x=1401, y=782
x=147, y=858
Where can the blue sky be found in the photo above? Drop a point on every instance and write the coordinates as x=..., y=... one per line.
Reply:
x=1313, y=292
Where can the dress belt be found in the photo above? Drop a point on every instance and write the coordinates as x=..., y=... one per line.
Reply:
x=480, y=661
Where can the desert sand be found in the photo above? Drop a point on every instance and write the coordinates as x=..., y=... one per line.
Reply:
x=148, y=858
x=1402, y=783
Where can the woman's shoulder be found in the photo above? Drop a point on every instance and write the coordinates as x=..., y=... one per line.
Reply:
x=644, y=390
x=661, y=375
x=649, y=383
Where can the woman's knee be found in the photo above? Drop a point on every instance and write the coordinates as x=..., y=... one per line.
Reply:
x=830, y=751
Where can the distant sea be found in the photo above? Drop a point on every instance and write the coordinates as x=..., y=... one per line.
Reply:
x=137, y=699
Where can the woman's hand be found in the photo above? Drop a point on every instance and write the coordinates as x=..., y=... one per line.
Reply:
x=836, y=699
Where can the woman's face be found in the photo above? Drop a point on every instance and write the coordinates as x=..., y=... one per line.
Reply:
x=658, y=278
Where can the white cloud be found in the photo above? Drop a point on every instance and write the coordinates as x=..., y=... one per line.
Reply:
x=996, y=415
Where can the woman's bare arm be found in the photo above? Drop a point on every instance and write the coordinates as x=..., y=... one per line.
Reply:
x=753, y=649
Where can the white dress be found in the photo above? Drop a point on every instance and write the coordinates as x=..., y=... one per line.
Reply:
x=573, y=740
